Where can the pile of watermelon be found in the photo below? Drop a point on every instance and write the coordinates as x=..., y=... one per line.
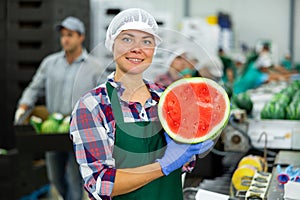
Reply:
x=284, y=104
x=55, y=123
x=242, y=101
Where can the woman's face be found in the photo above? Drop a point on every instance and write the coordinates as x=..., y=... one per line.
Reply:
x=133, y=51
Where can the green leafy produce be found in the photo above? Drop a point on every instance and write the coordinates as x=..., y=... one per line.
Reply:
x=63, y=128
x=3, y=151
x=36, y=122
x=49, y=126
x=56, y=117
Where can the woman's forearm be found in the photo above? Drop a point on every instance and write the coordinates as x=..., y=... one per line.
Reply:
x=128, y=180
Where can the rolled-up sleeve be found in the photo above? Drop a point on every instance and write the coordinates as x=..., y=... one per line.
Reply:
x=93, y=146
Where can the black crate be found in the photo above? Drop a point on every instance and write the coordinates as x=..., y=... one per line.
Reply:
x=29, y=50
x=2, y=29
x=36, y=13
x=16, y=86
x=8, y=166
x=2, y=57
x=19, y=176
x=35, y=30
x=50, y=11
x=7, y=188
x=17, y=74
x=208, y=167
x=29, y=141
x=22, y=66
x=31, y=180
x=3, y=10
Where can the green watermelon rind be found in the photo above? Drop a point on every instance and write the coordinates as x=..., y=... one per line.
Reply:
x=216, y=131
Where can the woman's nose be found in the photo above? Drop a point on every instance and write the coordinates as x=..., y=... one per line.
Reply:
x=137, y=48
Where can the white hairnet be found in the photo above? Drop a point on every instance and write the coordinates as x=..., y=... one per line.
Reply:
x=213, y=65
x=174, y=54
x=239, y=57
x=263, y=61
x=133, y=18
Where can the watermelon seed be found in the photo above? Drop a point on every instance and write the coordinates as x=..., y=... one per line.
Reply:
x=175, y=124
x=195, y=125
x=187, y=89
x=204, y=90
x=171, y=103
x=207, y=100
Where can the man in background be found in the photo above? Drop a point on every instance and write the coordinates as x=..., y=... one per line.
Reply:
x=57, y=77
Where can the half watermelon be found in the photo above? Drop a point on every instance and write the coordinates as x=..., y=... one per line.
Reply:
x=192, y=110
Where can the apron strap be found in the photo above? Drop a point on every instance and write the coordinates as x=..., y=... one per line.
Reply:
x=115, y=101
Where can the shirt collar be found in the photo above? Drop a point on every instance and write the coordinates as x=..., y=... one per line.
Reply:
x=153, y=89
x=82, y=57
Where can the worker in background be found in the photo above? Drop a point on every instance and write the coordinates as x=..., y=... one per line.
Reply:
x=285, y=65
x=258, y=72
x=119, y=142
x=56, y=77
x=239, y=61
x=180, y=65
x=286, y=61
x=229, y=70
x=211, y=67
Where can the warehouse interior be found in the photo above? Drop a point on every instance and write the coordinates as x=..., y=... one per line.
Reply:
x=256, y=142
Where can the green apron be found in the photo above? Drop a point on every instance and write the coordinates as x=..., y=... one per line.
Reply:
x=137, y=144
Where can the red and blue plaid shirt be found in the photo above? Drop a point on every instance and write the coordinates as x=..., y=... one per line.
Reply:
x=93, y=132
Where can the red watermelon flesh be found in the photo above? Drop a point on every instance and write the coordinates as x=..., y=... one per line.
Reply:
x=194, y=109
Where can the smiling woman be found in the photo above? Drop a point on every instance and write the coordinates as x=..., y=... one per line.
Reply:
x=119, y=142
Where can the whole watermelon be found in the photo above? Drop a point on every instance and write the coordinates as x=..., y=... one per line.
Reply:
x=293, y=111
x=268, y=109
x=243, y=101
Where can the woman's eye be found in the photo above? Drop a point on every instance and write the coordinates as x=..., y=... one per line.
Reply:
x=148, y=42
x=127, y=39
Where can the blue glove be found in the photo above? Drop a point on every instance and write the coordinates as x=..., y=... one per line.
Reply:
x=177, y=154
x=288, y=174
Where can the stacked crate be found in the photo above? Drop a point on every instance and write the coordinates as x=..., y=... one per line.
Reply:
x=30, y=36
x=19, y=176
x=27, y=35
x=2, y=66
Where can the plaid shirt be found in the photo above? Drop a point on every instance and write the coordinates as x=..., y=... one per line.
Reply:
x=93, y=132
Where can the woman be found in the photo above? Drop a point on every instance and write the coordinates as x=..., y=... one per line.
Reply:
x=180, y=64
x=120, y=146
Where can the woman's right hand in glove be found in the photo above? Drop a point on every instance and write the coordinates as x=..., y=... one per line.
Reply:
x=177, y=154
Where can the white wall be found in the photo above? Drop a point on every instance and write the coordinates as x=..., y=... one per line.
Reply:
x=252, y=19
x=297, y=32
